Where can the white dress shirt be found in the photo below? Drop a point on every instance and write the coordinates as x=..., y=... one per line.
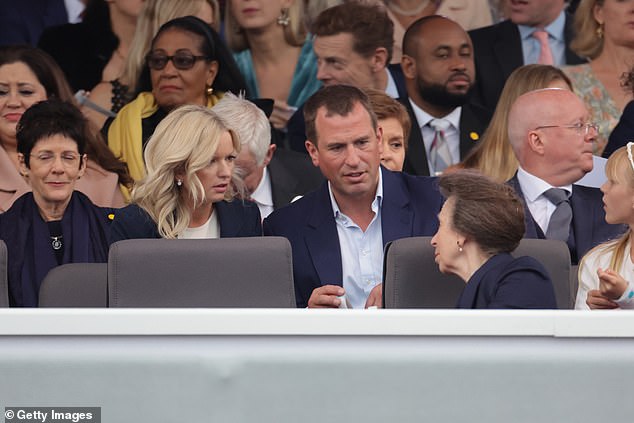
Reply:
x=452, y=135
x=263, y=195
x=533, y=189
x=361, y=252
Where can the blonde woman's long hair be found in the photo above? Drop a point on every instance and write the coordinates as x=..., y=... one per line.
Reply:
x=620, y=169
x=294, y=33
x=586, y=42
x=153, y=15
x=183, y=143
x=494, y=155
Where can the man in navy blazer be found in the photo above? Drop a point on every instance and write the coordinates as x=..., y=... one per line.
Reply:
x=338, y=231
x=552, y=139
x=439, y=75
x=505, y=46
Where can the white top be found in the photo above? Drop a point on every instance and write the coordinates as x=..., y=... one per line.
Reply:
x=533, y=188
x=589, y=280
x=210, y=229
x=452, y=134
x=263, y=195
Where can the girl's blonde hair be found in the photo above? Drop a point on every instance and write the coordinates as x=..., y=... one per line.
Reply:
x=153, y=15
x=494, y=156
x=619, y=169
x=183, y=143
x=294, y=33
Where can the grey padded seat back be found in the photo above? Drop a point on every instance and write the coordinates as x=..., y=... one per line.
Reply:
x=75, y=285
x=225, y=272
x=4, y=282
x=555, y=257
x=412, y=279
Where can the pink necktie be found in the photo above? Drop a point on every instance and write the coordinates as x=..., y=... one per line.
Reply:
x=545, y=54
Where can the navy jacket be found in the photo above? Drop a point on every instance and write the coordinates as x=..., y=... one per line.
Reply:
x=498, y=52
x=623, y=132
x=507, y=282
x=589, y=227
x=409, y=208
x=236, y=218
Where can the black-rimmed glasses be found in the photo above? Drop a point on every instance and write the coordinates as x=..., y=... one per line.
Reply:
x=181, y=61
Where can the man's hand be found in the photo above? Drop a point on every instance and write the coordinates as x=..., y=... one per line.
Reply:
x=326, y=297
x=596, y=301
x=611, y=284
x=375, y=299
x=282, y=112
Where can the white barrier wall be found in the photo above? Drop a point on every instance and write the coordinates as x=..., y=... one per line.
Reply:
x=227, y=365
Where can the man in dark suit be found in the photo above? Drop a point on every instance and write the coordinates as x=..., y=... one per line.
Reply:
x=507, y=45
x=439, y=74
x=353, y=44
x=339, y=231
x=272, y=178
x=552, y=139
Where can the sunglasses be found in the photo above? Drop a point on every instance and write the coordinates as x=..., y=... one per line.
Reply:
x=181, y=61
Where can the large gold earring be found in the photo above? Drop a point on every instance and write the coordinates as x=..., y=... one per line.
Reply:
x=209, y=91
x=600, y=31
x=284, y=19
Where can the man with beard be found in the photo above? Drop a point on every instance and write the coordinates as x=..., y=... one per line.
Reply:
x=439, y=74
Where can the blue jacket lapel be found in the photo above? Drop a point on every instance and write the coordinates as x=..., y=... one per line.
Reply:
x=396, y=215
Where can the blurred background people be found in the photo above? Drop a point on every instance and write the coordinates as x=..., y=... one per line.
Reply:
x=188, y=64
x=394, y=122
x=439, y=76
x=623, y=132
x=493, y=155
x=502, y=47
x=274, y=52
x=190, y=183
x=115, y=91
x=606, y=273
x=29, y=75
x=480, y=224
x=604, y=34
x=22, y=22
x=273, y=177
x=95, y=49
x=53, y=224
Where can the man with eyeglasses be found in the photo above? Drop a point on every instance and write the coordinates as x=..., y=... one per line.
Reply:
x=552, y=139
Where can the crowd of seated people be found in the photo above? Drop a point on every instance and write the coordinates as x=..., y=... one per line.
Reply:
x=189, y=120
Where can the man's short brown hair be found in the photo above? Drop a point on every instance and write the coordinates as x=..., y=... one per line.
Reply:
x=338, y=100
x=369, y=25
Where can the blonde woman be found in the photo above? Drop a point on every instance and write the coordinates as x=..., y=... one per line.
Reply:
x=606, y=273
x=273, y=52
x=493, y=156
x=190, y=183
x=603, y=34
x=111, y=94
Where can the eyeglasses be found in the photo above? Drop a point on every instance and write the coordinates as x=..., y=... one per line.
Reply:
x=46, y=158
x=581, y=128
x=181, y=61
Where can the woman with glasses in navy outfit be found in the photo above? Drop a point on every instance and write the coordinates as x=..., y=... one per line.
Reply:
x=53, y=224
x=187, y=64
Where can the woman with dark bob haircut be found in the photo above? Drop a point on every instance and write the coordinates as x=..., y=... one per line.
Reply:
x=53, y=224
x=480, y=224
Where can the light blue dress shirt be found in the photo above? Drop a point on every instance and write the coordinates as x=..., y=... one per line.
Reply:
x=530, y=44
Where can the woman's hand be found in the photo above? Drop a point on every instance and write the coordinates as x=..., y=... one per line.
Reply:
x=282, y=112
x=611, y=284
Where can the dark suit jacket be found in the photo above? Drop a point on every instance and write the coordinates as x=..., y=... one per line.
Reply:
x=588, y=220
x=296, y=135
x=291, y=174
x=473, y=119
x=623, y=132
x=409, y=208
x=22, y=22
x=237, y=219
x=498, y=52
x=507, y=282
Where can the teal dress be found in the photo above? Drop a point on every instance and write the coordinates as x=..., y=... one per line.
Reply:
x=304, y=83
